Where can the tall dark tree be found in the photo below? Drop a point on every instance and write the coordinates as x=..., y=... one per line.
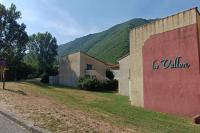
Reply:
x=44, y=47
x=13, y=38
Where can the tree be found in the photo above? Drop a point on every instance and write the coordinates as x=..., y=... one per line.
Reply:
x=109, y=74
x=13, y=39
x=44, y=47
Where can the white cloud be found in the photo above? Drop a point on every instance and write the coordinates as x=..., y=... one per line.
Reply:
x=44, y=15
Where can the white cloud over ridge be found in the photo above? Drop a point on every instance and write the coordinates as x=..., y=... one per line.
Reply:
x=42, y=16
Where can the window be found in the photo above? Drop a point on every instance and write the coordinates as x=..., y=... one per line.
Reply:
x=88, y=67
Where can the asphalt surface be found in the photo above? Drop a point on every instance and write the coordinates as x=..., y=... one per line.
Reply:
x=8, y=126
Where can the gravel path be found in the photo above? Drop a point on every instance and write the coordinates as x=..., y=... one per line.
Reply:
x=8, y=126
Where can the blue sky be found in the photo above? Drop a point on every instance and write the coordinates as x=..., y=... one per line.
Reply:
x=70, y=19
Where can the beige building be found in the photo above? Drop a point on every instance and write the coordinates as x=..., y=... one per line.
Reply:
x=124, y=75
x=77, y=65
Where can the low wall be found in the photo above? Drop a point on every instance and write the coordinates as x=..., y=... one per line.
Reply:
x=53, y=80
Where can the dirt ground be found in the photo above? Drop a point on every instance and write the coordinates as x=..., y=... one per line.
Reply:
x=46, y=113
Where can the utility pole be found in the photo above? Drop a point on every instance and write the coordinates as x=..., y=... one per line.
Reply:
x=3, y=70
x=3, y=79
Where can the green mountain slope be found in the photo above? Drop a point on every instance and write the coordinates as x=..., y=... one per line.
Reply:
x=108, y=45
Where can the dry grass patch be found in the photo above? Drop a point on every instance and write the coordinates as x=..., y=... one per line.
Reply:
x=63, y=109
x=41, y=106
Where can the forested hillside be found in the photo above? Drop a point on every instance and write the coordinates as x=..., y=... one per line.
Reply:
x=108, y=45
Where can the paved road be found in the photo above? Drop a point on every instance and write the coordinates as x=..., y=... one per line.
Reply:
x=8, y=126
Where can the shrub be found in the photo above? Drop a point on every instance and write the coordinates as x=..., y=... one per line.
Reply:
x=110, y=85
x=109, y=74
x=88, y=83
x=45, y=78
x=50, y=72
x=23, y=71
x=93, y=84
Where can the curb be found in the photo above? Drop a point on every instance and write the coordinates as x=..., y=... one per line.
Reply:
x=29, y=127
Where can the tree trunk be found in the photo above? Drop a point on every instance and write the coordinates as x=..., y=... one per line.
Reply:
x=3, y=79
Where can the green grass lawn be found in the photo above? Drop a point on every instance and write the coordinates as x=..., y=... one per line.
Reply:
x=116, y=109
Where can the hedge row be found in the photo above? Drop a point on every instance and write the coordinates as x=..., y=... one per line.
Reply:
x=93, y=84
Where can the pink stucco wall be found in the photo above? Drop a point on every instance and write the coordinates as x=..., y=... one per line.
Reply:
x=172, y=90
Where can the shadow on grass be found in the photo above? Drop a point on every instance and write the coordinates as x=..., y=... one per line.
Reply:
x=100, y=91
x=48, y=86
x=39, y=84
x=16, y=91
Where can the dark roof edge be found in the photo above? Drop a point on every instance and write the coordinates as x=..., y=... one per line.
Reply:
x=87, y=55
x=123, y=56
x=70, y=53
x=93, y=57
